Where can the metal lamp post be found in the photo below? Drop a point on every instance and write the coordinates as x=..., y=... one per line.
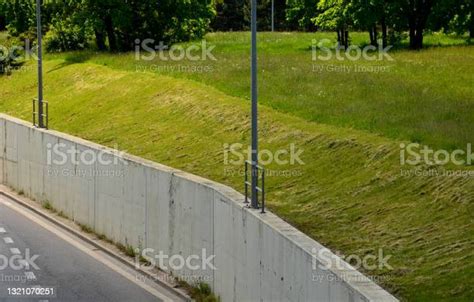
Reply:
x=254, y=170
x=257, y=172
x=40, y=112
x=273, y=15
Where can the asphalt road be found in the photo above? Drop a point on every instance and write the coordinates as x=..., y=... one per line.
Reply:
x=61, y=266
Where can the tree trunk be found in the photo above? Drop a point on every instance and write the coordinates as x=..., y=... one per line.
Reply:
x=418, y=16
x=376, y=43
x=384, y=30
x=109, y=28
x=471, y=27
x=373, y=39
x=346, y=39
x=2, y=23
x=100, y=40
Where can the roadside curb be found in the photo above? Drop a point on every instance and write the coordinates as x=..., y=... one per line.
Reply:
x=104, y=249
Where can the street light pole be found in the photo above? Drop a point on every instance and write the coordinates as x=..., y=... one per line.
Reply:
x=254, y=202
x=273, y=15
x=40, y=65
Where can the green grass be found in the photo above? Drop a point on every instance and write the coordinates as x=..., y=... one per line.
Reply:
x=349, y=194
x=424, y=96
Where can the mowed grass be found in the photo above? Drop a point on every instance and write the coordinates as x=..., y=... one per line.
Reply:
x=349, y=193
x=425, y=96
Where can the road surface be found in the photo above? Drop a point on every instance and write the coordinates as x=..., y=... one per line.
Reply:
x=61, y=267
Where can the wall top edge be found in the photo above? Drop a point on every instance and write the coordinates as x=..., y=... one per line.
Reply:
x=364, y=286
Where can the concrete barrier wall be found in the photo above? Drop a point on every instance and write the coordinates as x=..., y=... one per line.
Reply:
x=258, y=257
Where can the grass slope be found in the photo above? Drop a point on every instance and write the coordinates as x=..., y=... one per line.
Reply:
x=349, y=194
x=425, y=96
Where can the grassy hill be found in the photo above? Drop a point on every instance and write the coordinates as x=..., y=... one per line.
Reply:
x=424, y=96
x=349, y=194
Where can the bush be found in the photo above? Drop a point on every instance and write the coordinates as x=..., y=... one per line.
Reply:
x=66, y=35
x=9, y=57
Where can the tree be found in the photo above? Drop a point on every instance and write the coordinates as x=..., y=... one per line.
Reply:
x=417, y=13
x=371, y=15
x=230, y=16
x=19, y=15
x=455, y=16
x=299, y=14
x=3, y=15
x=336, y=15
x=263, y=13
x=115, y=24
x=234, y=15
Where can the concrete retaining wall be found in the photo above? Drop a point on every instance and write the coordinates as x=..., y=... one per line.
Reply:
x=144, y=204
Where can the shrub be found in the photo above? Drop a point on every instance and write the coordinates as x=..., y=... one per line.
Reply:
x=66, y=35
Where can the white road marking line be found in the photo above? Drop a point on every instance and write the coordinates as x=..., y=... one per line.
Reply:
x=7, y=240
x=79, y=245
x=2, y=230
x=15, y=251
x=30, y=276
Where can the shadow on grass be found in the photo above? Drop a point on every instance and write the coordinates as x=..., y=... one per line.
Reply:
x=72, y=58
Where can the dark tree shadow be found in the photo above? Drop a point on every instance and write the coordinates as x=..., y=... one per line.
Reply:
x=72, y=58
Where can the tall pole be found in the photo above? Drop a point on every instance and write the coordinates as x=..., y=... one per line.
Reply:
x=254, y=107
x=273, y=15
x=40, y=65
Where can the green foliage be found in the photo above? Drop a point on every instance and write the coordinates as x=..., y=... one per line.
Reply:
x=115, y=24
x=346, y=122
x=65, y=34
x=389, y=20
x=10, y=56
x=121, y=22
x=3, y=16
x=19, y=15
x=335, y=14
x=299, y=13
x=202, y=293
x=47, y=205
x=234, y=15
x=230, y=15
